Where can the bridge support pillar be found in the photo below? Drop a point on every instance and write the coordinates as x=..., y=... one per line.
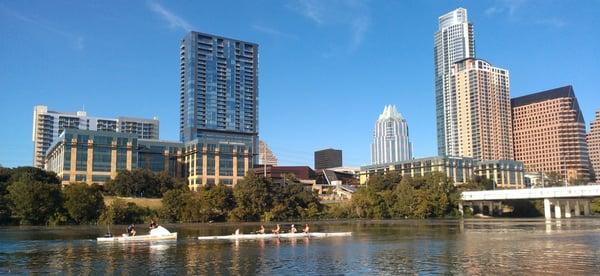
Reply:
x=586, y=208
x=577, y=210
x=557, y=212
x=491, y=208
x=568, y=209
x=547, y=211
x=500, y=210
x=460, y=209
x=480, y=205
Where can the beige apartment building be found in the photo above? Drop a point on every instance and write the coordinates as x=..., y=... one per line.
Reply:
x=483, y=110
x=593, y=141
x=549, y=133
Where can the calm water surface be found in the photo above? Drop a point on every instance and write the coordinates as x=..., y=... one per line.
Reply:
x=376, y=248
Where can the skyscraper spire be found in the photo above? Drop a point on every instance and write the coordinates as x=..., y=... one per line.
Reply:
x=390, y=138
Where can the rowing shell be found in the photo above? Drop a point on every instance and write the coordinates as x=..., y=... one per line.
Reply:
x=272, y=236
x=171, y=236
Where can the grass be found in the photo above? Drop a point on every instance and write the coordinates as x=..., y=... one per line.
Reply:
x=152, y=203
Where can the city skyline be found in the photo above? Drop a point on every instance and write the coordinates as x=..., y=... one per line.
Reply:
x=281, y=102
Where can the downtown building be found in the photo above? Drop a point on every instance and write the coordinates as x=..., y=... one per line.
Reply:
x=328, y=158
x=48, y=125
x=453, y=41
x=265, y=154
x=483, y=110
x=390, y=138
x=549, y=134
x=593, y=141
x=505, y=174
x=218, y=108
x=96, y=156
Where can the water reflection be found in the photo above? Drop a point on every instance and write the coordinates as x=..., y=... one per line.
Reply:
x=386, y=247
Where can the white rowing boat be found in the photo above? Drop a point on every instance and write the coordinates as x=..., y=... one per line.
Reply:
x=158, y=233
x=273, y=236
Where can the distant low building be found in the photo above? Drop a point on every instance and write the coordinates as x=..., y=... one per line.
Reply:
x=505, y=173
x=328, y=158
x=97, y=156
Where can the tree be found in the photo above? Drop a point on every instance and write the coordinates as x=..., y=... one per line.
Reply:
x=142, y=183
x=30, y=174
x=34, y=202
x=253, y=197
x=554, y=179
x=120, y=212
x=173, y=203
x=83, y=203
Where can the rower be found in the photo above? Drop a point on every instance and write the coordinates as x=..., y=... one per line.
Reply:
x=306, y=228
x=261, y=230
x=277, y=229
x=237, y=231
x=153, y=224
x=131, y=230
x=293, y=229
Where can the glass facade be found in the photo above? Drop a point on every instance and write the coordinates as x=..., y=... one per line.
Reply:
x=219, y=90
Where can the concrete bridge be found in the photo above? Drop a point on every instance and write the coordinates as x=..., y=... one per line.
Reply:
x=574, y=199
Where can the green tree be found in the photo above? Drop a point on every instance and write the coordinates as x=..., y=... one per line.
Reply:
x=121, y=212
x=253, y=197
x=554, y=179
x=173, y=203
x=142, y=183
x=34, y=202
x=84, y=203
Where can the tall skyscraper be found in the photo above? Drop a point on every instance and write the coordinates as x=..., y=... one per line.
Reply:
x=483, y=112
x=265, y=155
x=390, y=138
x=328, y=158
x=48, y=125
x=219, y=90
x=593, y=141
x=454, y=41
x=549, y=133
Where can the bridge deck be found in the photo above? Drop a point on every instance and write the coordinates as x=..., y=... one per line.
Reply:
x=534, y=193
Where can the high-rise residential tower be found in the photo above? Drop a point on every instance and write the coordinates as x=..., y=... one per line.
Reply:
x=48, y=125
x=390, y=138
x=549, y=133
x=483, y=111
x=593, y=141
x=219, y=90
x=454, y=41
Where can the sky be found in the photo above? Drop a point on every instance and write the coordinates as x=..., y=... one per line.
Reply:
x=327, y=68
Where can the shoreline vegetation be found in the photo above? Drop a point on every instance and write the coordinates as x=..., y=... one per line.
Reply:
x=31, y=196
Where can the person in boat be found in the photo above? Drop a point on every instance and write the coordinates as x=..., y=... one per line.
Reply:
x=277, y=229
x=306, y=229
x=153, y=224
x=131, y=230
x=261, y=230
x=293, y=229
x=237, y=231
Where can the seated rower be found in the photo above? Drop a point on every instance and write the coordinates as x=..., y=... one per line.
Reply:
x=261, y=230
x=237, y=231
x=131, y=230
x=153, y=224
x=293, y=229
x=306, y=228
x=276, y=230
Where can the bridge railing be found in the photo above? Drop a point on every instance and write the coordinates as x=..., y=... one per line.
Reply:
x=534, y=193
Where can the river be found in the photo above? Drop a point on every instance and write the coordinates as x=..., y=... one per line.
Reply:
x=473, y=246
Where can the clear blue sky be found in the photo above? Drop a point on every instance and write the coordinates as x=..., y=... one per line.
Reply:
x=327, y=68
